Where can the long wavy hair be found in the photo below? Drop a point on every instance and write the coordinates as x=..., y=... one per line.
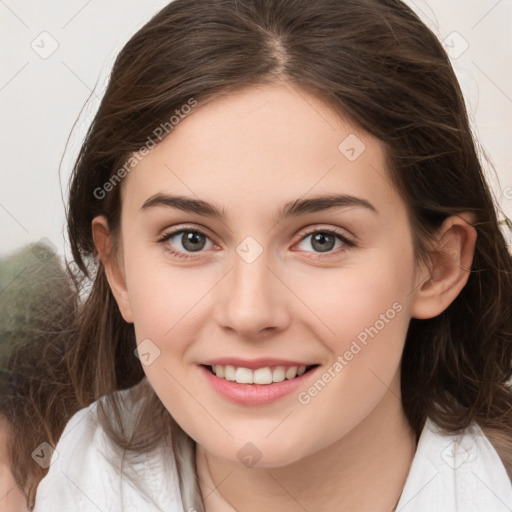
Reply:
x=374, y=61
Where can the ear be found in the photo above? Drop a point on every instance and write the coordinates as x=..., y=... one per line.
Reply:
x=451, y=259
x=112, y=264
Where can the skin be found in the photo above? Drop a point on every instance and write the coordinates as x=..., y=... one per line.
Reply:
x=350, y=447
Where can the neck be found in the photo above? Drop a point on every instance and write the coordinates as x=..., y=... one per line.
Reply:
x=364, y=471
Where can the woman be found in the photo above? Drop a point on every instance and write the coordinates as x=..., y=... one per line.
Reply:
x=239, y=367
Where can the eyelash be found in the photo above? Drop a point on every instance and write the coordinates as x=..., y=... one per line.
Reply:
x=347, y=244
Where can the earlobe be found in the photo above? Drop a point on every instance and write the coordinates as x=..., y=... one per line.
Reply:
x=451, y=259
x=113, y=268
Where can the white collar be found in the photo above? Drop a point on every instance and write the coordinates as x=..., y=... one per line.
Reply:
x=452, y=473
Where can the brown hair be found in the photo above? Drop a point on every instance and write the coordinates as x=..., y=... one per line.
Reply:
x=374, y=61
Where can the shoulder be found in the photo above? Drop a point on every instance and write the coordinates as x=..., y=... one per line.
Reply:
x=456, y=472
x=88, y=471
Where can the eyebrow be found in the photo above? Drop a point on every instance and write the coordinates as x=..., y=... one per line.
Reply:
x=289, y=209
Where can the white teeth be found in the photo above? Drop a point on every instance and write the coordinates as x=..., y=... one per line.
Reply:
x=291, y=372
x=244, y=376
x=266, y=375
x=278, y=374
x=263, y=376
x=229, y=372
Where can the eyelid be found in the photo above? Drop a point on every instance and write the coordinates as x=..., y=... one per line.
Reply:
x=175, y=230
x=308, y=230
x=315, y=228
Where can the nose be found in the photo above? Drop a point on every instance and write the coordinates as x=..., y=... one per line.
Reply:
x=253, y=299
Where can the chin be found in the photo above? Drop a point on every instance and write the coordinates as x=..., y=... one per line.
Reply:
x=259, y=454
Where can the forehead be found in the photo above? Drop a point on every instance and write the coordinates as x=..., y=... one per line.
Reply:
x=260, y=145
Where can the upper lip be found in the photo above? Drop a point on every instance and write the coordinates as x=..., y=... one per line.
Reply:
x=254, y=363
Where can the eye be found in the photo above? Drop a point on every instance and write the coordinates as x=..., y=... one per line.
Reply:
x=190, y=240
x=324, y=240
x=183, y=242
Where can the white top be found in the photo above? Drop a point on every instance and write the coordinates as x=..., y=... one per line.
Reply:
x=448, y=474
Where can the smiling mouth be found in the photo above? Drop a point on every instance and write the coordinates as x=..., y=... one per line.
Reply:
x=262, y=376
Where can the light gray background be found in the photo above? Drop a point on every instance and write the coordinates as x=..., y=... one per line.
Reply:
x=42, y=95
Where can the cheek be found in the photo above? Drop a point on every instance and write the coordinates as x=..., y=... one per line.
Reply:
x=164, y=298
x=370, y=293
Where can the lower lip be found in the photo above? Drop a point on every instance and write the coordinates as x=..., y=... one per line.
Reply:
x=254, y=394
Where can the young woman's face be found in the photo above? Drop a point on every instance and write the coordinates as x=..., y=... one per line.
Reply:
x=308, y=263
